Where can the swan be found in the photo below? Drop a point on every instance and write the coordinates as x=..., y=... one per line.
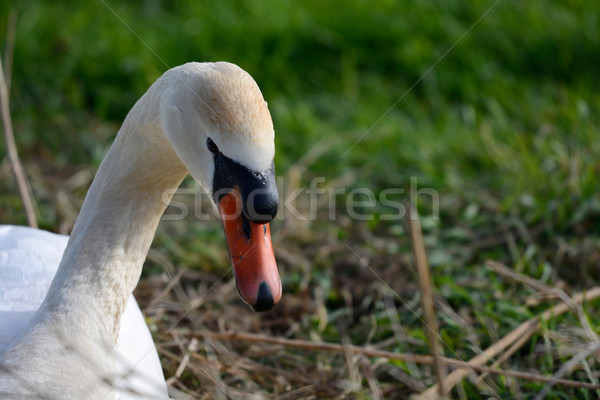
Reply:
x=69, y=325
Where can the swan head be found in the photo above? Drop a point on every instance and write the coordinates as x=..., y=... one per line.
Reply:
x=218, y=123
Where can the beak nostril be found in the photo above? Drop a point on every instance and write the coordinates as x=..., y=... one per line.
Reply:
x=246, y=228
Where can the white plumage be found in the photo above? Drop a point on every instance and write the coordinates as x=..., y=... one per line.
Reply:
x=29, y=259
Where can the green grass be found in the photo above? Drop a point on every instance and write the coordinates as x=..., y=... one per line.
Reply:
x=504, y=127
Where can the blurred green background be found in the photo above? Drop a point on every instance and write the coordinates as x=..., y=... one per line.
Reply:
x=495, y=105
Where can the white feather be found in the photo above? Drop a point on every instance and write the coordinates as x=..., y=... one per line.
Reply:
x=29, y=259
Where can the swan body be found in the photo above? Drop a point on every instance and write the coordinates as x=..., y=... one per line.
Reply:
x=69, y=325
x=29, y=259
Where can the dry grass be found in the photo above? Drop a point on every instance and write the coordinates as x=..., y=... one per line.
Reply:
x=221, y=349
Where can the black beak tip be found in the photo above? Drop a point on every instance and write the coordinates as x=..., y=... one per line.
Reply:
x=264, y=300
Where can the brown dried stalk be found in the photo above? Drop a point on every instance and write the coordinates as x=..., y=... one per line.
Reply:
x=505, y=271
x=456, y=376
x=9, y=138
x=426, y=284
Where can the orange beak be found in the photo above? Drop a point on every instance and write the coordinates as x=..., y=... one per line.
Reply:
x=251, y=253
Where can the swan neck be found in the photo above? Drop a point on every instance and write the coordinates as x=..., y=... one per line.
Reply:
x=111, y=237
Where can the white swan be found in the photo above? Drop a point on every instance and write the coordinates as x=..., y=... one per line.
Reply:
x=208, y=119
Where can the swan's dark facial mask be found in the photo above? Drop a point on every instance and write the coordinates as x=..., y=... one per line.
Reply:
x=247, y=202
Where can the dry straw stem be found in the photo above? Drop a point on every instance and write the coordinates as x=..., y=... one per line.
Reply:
x=9, y=52
x=426, y=284
x=526, y=328
x=9, y=138
x=370, y=352
x=503, y=270
x=568, y=366
x=193, y=346
x=511, y=350
x=592, y=348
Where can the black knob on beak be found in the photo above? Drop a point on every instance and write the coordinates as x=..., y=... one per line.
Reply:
x=261, y=206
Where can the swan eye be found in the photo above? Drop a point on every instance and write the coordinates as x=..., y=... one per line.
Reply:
x=212, y=146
